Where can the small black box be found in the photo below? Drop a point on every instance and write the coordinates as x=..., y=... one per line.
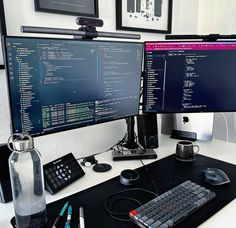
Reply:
x=147, y=130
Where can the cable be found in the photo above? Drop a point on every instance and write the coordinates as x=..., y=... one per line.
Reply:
x=115, y=215
x=122, y=141
x=120, y=146
x=227, y=127
x=150, y=178
x=146, y=171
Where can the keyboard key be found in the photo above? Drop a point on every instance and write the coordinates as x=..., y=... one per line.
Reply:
x=156, y=224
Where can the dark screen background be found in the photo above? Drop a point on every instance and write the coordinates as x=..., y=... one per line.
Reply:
x=194, y=81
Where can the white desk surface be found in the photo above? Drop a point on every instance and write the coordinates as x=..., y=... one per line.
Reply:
x=216, y=149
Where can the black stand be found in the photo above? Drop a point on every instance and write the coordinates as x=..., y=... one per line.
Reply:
x=133, y=151
x=89, y=27
x=131, y=141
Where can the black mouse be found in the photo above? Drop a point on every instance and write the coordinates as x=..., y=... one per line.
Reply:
x=215, y=176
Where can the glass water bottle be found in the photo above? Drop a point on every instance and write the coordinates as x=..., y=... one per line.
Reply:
x=27, y=182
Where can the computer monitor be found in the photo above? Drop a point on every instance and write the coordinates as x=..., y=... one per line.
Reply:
x=184, y=77
x=61, y=84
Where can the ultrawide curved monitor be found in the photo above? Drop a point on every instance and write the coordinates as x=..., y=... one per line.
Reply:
x=183, y=77
x=62, y=84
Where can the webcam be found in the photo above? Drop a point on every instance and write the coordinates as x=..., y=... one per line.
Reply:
x=90, y=22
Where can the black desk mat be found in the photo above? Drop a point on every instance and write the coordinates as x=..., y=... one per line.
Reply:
x=167, y=173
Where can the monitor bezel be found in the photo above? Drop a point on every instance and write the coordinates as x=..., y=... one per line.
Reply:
x=145, y=72
x=58, y=130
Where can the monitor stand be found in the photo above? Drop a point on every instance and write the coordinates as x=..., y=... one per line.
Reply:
x=199, y=125
x=130, y=149
x=188, y=126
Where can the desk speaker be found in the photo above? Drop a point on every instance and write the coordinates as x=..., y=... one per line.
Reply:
x=147, y=130
x=5, y=183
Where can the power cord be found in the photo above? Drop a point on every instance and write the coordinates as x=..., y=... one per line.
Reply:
x=149, y=177
x=120, y=146
x=122, y=216
x=227, y=127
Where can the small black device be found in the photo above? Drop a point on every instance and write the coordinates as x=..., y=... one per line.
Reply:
x=147, y=130
x=88, y=161
x=85, y=21
x=129, y=177
x=133, y=154
x=101, y=167
x=215, y=176
x=61, y=172
x=185, y=135
x=5, y=183
x=88, y=25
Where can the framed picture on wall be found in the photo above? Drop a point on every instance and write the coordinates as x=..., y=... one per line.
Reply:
x=88, y=8
x=3, y=31
x=1, y=56
x=144, y=15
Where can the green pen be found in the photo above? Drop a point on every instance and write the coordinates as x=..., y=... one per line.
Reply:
x=60, y=215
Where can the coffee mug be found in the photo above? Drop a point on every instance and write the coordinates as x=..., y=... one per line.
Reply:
x=186, y=151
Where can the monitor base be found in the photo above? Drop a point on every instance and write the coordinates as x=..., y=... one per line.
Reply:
x=133, y=154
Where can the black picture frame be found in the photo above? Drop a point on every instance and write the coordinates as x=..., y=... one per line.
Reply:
x=38, y=7
x=3, y=32
x=134, y=11
x=1, y=54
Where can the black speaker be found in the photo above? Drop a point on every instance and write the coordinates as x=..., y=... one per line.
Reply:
x=5, y=183
x=147, y=130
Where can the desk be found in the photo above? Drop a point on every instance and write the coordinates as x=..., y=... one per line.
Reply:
x=216, y=149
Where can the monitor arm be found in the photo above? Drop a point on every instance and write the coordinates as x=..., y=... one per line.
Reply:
x=131, y=138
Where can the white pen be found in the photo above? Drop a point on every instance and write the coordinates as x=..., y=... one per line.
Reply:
x=81, y=218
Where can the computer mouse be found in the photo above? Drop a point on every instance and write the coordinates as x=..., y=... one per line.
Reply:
x=215, y=176
x=101, y=167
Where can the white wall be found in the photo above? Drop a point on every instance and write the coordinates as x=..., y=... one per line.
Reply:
x=185, y=16
x=21, y=12
x=89, y=140
x=217, y=16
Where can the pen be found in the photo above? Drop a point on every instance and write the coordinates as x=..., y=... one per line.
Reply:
x=69, y=213
x=60, y=215
x=81, y=218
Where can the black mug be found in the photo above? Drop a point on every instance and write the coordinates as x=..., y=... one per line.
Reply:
x=186, y=151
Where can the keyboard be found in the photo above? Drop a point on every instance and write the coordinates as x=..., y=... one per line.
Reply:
x=61, y=172
x=167, y=209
